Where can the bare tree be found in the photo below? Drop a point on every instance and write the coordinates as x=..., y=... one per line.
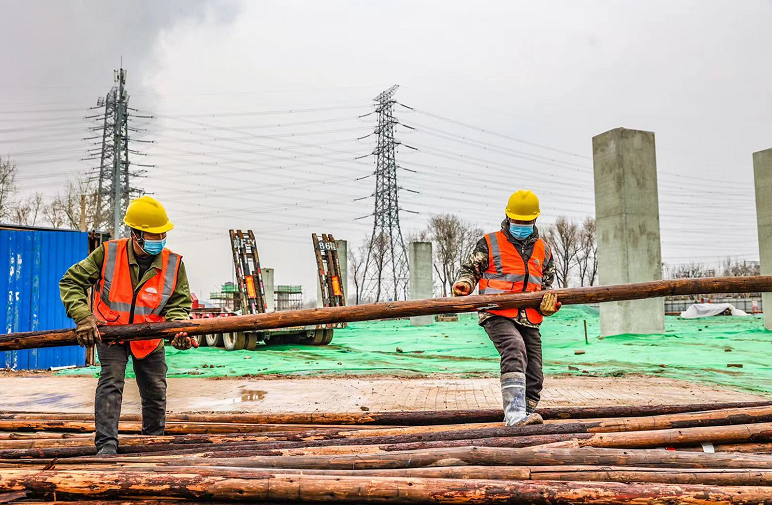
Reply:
x=453, y=240
x=564, y=238
x=20, y=213
x=690, y=271
x=7, y=187
x=419, y=236
x=356, y=267
x=27, y=211
x=37, y=204
x=736, y=268
x=64, y=210
x=379, y=250
x=55, y=214
x=587, y=256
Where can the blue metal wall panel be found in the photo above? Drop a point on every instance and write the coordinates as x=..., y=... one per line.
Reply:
x=31, y=264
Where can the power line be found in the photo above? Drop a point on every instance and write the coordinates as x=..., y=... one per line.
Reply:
x=256, y=113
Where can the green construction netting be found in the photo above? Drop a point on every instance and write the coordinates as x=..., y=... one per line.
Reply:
x=690, y=349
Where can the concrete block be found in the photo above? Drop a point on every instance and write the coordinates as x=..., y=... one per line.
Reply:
x=421, y=279
x=762, y=176
x=268, y=286
x=627, y=215
x=342, y=247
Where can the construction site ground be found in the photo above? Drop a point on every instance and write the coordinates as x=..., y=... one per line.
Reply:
x=389, y=365
x=46, y=393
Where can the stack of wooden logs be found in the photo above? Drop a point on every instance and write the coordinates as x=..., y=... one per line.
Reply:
x=718, y=453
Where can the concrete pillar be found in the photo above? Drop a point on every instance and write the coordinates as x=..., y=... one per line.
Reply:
x=421, y=281
x=342, y=246
x=762, y=176
x=268, y=287
x=627, y=215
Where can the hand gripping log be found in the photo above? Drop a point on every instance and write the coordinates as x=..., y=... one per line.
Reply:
x=328, y=315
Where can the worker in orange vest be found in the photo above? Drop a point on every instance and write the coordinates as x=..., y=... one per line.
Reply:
x=136, y=280
x=513, y=260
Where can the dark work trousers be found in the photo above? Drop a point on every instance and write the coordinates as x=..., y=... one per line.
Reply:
x=151, y=380
x=520, y=350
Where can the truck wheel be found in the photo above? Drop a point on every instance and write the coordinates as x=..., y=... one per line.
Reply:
x=235, y=341
x=327, y=336
x=200, y=340
x=251, y=342
x=214, y=340
x=316, y=336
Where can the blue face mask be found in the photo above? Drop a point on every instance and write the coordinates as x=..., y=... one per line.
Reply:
x=520, y=231
x=154, y=247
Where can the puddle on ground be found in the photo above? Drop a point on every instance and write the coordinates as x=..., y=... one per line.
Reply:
x=250, y=395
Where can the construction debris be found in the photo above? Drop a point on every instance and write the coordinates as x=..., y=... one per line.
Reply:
x=723, y=455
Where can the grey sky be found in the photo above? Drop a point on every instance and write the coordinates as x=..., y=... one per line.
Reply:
x=550, y=73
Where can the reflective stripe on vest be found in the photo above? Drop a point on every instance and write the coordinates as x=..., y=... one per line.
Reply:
x=113, y=300
x=508, y=273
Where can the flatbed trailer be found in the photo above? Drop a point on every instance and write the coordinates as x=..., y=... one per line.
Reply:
x=252, y=298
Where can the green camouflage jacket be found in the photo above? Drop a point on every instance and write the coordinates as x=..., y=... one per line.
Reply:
x=73, y=287
x=472, y=270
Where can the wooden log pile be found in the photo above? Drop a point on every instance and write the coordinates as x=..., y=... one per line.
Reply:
x=659, y=454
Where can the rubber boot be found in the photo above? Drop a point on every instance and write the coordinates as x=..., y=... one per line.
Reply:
x=513, y=396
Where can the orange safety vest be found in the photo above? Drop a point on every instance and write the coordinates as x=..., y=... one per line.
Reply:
x=507, y=272
x=116, y=301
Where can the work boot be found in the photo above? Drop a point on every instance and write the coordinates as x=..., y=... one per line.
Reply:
x=107, y=450
x=530, y=405
x=513, y=395
x=530, y=419
x=531, y=416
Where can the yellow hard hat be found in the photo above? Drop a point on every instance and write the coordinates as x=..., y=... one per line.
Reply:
x=147, y=214
x=523, y=206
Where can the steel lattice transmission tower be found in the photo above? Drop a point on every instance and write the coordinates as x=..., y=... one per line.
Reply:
x=114, y=190
x=386, y=264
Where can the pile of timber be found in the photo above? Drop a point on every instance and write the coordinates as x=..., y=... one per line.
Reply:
x=657, y=454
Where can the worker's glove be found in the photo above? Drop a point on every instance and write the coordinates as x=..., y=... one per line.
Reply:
x=183, y=342
x=87, y=331
x=461, y=288
x=549, y=304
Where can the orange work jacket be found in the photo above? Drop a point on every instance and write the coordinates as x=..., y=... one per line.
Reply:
x=509, y=272
x=117, y=302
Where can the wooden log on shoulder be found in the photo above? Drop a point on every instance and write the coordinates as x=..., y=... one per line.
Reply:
x=304, y=488
x=329, y=315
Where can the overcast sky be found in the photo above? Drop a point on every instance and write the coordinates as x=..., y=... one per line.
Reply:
x=256, y=111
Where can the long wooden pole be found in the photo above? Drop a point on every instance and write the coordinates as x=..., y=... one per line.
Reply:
x=344, y=489
x=577, y=473
x=329, y=315
x=406, y=418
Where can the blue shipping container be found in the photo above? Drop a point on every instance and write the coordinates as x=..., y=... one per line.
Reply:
x=31, y=263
